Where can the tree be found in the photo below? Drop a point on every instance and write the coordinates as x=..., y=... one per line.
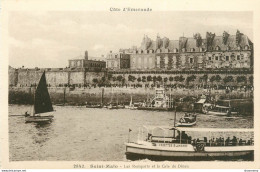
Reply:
x=251, y=79
x=191, y=78
x=149, y=78
x=134, y=78
x=241, y=79
x=170, y=78
x=119, y=77
x=212, y=79
x=131, y=78
x=181, y=78
x=204, y=78
x=165, y=79
x=143, y=78
x=176, y=78
x=139, y=79
x=154, y=78
x=159, y=78
x=228, y=79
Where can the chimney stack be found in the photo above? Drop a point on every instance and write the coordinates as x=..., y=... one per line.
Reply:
x=86, y=55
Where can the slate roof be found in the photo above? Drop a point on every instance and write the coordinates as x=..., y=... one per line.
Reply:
x=217, y=42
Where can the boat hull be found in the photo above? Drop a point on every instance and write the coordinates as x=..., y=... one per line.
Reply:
x=138, y=152
x=94, y=106
x=38, y=119
x=217, y=113
x=186, y=124
x=155, y=108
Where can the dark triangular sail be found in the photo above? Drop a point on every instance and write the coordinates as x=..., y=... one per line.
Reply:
x=42, y=101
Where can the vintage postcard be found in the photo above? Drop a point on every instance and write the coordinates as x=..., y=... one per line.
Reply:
x=129, y=85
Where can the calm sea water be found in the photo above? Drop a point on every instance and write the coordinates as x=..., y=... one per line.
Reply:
x=82, y=134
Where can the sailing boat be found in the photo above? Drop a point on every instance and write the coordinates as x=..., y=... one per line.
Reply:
x=42, y=104
x=131, y=105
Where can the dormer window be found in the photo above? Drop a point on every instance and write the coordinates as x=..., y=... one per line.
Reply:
x=201, y=49
x=183, y=50
x=175, y=50
x=158, y=50
x=192, y=50
x=246, y=47
x=217, y=48
x=238, y=48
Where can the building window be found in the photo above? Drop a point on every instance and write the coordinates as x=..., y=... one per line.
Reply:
x=200, y=59
x=209, y=58
x=115, y=56
x=191, y=60
x=216, y=57
x=175, y=50
x=183, y=50
x=166, y=60
x=158, y=61
x=246, y=47
x=238, y=57
x=227, y=58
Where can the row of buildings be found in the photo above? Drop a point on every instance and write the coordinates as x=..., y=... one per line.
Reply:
x=212, y=52
x=226, y=55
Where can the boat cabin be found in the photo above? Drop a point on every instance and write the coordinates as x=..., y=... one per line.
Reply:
x=223, y=109
x=207, y=136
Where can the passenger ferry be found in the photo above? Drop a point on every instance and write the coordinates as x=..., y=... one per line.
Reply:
x=219, y=110
x=179, y=146
x=161, y=102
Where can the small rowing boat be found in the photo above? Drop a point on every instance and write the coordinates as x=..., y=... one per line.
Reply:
x=187, y=121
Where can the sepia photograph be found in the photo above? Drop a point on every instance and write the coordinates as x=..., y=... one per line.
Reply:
x=130, y=85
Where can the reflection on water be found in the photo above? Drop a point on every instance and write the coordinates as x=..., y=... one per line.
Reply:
x=81, y=134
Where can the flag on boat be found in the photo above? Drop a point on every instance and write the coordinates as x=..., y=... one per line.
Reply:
x=130, y=130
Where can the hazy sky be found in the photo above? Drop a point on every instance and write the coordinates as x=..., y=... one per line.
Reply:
x=49, y=39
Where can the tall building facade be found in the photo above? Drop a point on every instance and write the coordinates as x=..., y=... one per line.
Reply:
x=85, y=62
x=120, y=60
x=212, y=52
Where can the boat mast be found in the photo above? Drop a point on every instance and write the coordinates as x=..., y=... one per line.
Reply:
x=64, y=96
x=33, y=110
x=131, y=101
x=174, y=121
x=102, y=96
